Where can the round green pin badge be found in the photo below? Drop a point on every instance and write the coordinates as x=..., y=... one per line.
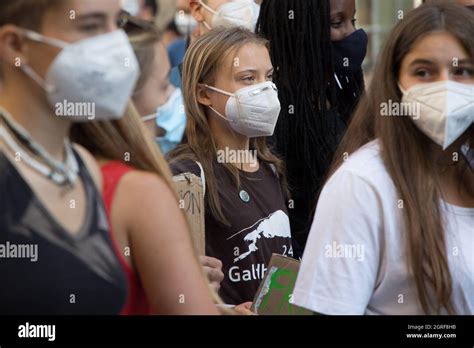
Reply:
x=244, y=196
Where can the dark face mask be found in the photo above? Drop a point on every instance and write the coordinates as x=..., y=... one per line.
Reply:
x=350, y=52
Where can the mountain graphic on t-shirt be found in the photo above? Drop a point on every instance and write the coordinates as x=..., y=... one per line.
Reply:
x=274, y=225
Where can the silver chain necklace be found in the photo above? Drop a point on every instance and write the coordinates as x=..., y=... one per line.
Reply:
x=61, y=173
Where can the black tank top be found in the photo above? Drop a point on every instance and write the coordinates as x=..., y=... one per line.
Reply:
x=46, y=270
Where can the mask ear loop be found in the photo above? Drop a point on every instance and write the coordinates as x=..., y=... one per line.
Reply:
x=28, y=70
x=403, y=90
x=219, y=114
x=149, y=117
x=207, y=8
x=208, y=27
x=34, y=36
x=222, y=92
x=154, y=115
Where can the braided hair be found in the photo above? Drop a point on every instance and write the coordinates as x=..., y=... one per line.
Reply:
x=308, y=129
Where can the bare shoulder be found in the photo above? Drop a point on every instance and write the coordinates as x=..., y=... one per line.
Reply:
x=145, y=185
x=91, y=165
x=143, y=194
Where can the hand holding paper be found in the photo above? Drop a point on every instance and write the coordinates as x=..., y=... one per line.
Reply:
x=244, y=309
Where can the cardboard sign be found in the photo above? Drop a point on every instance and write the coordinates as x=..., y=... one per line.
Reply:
x=275, y=294
x=191, y=200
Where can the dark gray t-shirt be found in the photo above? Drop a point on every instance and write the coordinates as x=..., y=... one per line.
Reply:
x=257, y=228
x=56, y=273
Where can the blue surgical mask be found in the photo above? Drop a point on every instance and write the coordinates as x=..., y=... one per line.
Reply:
x=172, y=119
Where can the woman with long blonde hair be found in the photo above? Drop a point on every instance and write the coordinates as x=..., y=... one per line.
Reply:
x=148, y=229
x=231, y=106
x=156, y=99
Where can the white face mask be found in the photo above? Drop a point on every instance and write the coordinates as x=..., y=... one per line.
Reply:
x=446, y=109
x=131, y=6
x=185, y=23
x=231, y=14
x=97, y=73
x=252, y=111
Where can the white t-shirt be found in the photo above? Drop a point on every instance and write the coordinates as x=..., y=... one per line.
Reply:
x=355, y=261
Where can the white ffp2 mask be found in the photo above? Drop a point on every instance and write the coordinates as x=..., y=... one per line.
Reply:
x=232, y=14
x=252, y=111
x=101, y=71
x=446, y=109
x=185, y=23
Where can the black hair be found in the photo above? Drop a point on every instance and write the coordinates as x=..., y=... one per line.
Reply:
x=307, y=132
x=309, y=128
